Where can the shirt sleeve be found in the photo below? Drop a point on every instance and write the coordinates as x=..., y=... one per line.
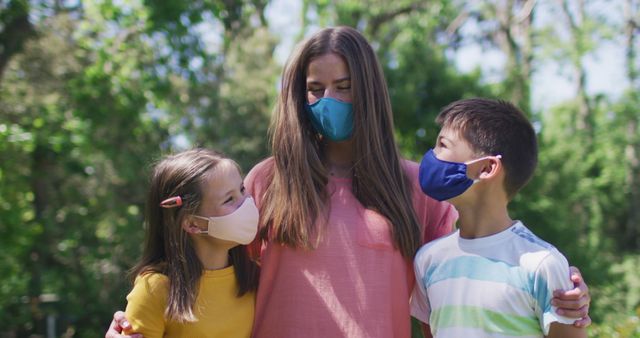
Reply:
x=552, y=274
x=420, y=308
x=146, y=304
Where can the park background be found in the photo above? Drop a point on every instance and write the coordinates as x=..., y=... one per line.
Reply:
x=92, y=92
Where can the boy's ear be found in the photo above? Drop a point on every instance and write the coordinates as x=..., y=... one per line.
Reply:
x=189, y=225
x=490, y=167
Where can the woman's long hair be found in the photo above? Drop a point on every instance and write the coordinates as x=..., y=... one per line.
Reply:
x=168, y=249
x=299, y=178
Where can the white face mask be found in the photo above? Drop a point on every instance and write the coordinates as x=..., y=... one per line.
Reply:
x=239, y=226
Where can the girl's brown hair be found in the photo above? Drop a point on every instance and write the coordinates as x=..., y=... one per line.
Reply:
x=168, y=249
x=299, y=177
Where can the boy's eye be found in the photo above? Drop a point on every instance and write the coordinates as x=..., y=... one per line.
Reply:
x=228, y=200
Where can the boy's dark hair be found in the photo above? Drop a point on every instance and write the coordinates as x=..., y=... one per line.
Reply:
x=495, y=127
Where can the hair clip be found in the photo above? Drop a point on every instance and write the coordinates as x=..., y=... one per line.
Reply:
x=171, y=202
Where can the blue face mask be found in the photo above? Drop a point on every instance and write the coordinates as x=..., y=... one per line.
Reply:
x=332, y=118
x=443, y=180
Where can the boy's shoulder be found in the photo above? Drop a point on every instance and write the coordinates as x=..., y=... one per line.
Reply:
x=437, y=245
x=516, y=245
x=533, y=252
x=525, y=234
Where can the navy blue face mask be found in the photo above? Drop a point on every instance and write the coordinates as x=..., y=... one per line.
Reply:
x=332, y=118
x=443, y=180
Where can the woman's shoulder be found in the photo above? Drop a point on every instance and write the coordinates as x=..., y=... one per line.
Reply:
x=411, y=169
x=258, y=179
x=261, y=168
x=409, y=165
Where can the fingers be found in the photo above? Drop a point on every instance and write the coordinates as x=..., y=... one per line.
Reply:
x=569, y=295
x=571, y=300
x=113, y=331
x=575, y=272
x=118, y=324
x=576, y=278
x=578, y=296
x=121, y=321
x=578, y=281
x=580, y=312
x=583, y=322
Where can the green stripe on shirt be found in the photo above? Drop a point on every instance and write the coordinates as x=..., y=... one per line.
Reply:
x=485, y=320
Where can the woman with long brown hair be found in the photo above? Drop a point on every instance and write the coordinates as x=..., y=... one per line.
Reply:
x=341, y=213
x=336, y=200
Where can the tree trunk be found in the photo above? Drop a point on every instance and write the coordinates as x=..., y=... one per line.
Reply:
x=40, y=171
x=16, y=31
x=632, y=150
x=513, y=36
x=583, y=114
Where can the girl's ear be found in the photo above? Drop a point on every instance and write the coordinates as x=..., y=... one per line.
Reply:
x=189, y=225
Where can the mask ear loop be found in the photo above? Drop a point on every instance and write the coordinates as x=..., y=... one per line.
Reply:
x=200, y=231
x=478, y=160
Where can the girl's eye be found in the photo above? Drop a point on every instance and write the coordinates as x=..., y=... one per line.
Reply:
x=344, y=88
x=228, y=200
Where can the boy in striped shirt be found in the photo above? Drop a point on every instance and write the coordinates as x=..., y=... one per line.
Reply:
x=492, y=277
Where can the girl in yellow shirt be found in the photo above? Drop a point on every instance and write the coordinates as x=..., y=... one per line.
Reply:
x=195, y=278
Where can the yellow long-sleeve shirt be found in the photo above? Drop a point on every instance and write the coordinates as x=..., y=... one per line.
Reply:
x=219, y=311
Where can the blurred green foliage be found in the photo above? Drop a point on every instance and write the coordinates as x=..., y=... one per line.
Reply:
x=92, y=92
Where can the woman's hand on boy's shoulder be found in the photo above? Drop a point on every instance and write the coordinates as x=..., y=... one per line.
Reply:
x=575, y=302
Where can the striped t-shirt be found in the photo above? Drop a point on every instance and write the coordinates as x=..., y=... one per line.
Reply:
x=495, y=286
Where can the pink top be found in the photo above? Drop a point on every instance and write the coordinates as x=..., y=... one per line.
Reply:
x=354, y=284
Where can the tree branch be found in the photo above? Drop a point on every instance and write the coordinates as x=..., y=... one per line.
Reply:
x=378, y=20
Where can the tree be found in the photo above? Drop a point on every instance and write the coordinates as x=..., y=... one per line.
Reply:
x=16, y=29
x=91, y=100
x=631, y=231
